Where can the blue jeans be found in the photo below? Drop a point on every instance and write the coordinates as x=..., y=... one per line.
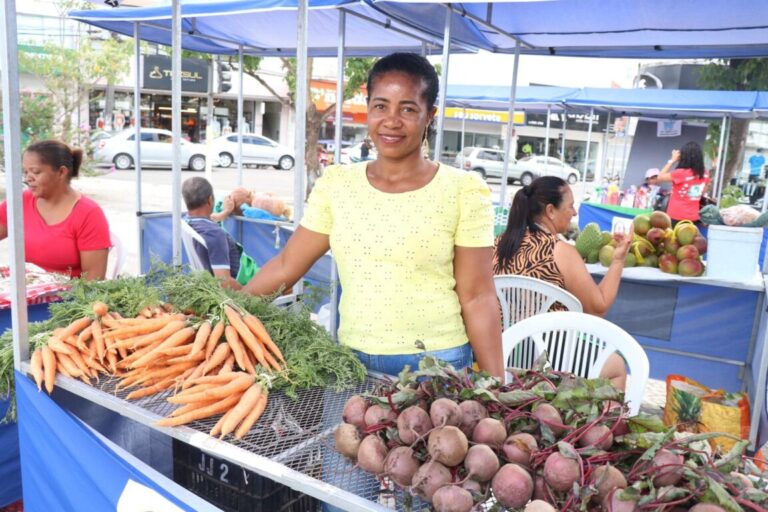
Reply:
x=458, y=357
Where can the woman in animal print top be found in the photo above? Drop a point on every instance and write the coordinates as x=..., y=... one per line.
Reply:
x=530, y=247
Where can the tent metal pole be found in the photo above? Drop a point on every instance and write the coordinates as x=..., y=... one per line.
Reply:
x=240, y=117
x=722, y=182
x=565, y=134
x=209, y=156
x=586, y=152
x=337, y=159
x=509, y=147
x=720, y=162
x=624, y=157
x=302, y=96
x=176, y=128
x=604, y=152
x=443, y=83
x=137, y=136
x=463, y=133
x=546, y=138
x=13, y=180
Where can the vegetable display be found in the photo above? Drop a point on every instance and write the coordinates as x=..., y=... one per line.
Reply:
x=546, y=441
x=220, y=352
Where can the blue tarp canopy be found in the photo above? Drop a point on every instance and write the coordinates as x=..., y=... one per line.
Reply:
x=665, y=103
x=657, y=29
x=497, y=97
x=268, y=28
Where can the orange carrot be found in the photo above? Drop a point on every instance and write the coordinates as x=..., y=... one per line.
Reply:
x=230, y=334
x=178, y=338
x=168, y=371
x=49, y=368
x=144, y=340
x=247, y=403
x=197, y=372
x=252, y=417
x=84, y=336
x=258, y=329
x=216, y=430
x=99, y=308
x=184, y=409
x=77, y=358
x=272, y=361
x=197, y=389
x=228, y=366
x=67, y=366
x=219, y=355
x=145, y=327
x=112, y=362
x=98, y=339
x=151, y=390
x=201, y=413
x=216, y=332
x=182, y=350
x=235, y=387
x=36, y=368
x=146, y=312
x=201, y=338
x=246, y=335
x=213, y=379
x=59, y=346
x=74, y=328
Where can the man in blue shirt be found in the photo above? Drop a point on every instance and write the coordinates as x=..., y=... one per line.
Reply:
x=222, y=255
x=756, y=164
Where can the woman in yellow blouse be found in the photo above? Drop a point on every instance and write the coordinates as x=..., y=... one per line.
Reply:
x=412, y=238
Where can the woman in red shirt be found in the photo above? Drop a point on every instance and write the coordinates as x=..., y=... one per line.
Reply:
x=689, y=181
x=64, y=231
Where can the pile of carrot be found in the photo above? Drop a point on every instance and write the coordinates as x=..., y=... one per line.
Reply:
x=211, y=365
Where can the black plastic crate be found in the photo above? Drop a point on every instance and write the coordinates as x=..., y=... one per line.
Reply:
x=232, y=488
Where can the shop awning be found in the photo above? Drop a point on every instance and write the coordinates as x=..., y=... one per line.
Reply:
x=656, y=29
x=531, y=98
x=268, y=28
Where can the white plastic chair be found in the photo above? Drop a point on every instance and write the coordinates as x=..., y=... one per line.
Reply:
x=188, y=239
x=117, y=256
x=522, y=297
x=580, y=344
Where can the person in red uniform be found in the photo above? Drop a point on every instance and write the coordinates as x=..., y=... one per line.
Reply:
x=689, y=181
x=64, y=231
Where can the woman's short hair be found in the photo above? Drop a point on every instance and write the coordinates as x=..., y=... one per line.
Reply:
x=196, y=192
x=411, y=64
x=530, y=202
x=692, y=157
x=57, y=154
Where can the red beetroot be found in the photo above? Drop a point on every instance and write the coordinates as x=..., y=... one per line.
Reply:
x=354, y=411
x=377, y=414
x=452, y=498
x=429, y=478
x=444, y=411
x=448, y=445
x=371, y=454
x=560, y=472
x=598, y=436
x=473, y=486
x=472, y=411
x=707, y=507
x=671, y=474
x=512, y=486
x=489, y=431
x=347, y=440
x=612, y=503
x=539, y=506
x=481, y=463
x=412, y=423
x=549, y=416
x=606, y=479
x=518, y=448
x=400, y=465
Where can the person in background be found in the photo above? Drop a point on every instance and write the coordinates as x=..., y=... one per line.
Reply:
x=232, y=204
x=365, y=150
x=531, y=247
x=756, y=165
x=221, y=254
x=413, y=238
x=689, y=181
x=64, y=231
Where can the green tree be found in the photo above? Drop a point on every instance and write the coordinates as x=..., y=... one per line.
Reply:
x=733, y=75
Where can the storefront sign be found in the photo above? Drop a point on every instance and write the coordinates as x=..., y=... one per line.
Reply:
x=574, y=121
x=485, y=116
x=667, y=128
x=158, y=71
x=323, y=94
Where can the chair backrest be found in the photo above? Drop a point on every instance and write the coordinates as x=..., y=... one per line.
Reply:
x=188, y=239
x=116, y=256
x=580, y=344
x=522, y=297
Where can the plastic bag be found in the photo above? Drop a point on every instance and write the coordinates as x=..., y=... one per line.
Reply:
x=693, y=407
x=738, y=215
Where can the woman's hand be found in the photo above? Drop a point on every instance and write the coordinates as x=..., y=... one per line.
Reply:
x=675, y=156
x=229, y=205
x=623, y=242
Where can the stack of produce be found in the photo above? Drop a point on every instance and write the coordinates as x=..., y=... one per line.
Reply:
x=548, y=441
x=219, y=352
x=674, y=251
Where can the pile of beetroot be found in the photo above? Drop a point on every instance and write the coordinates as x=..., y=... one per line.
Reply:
x=547, y=441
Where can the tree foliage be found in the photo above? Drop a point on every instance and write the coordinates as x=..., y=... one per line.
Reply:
x=733, y=75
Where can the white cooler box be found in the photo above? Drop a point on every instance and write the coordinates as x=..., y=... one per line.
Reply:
x=733, y=253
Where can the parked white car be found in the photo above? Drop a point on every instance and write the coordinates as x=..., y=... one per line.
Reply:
x=490, y=163
x=156, y=150
x=540, y=165
x=257, y=150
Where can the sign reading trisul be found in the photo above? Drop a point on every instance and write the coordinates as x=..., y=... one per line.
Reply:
x=157, y=74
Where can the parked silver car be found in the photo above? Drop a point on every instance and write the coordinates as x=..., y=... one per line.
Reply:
x=490, y=163
x=257, y=150
x=156, y=150
x=540, y=165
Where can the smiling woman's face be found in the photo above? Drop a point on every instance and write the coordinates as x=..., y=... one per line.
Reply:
x=398, y=115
